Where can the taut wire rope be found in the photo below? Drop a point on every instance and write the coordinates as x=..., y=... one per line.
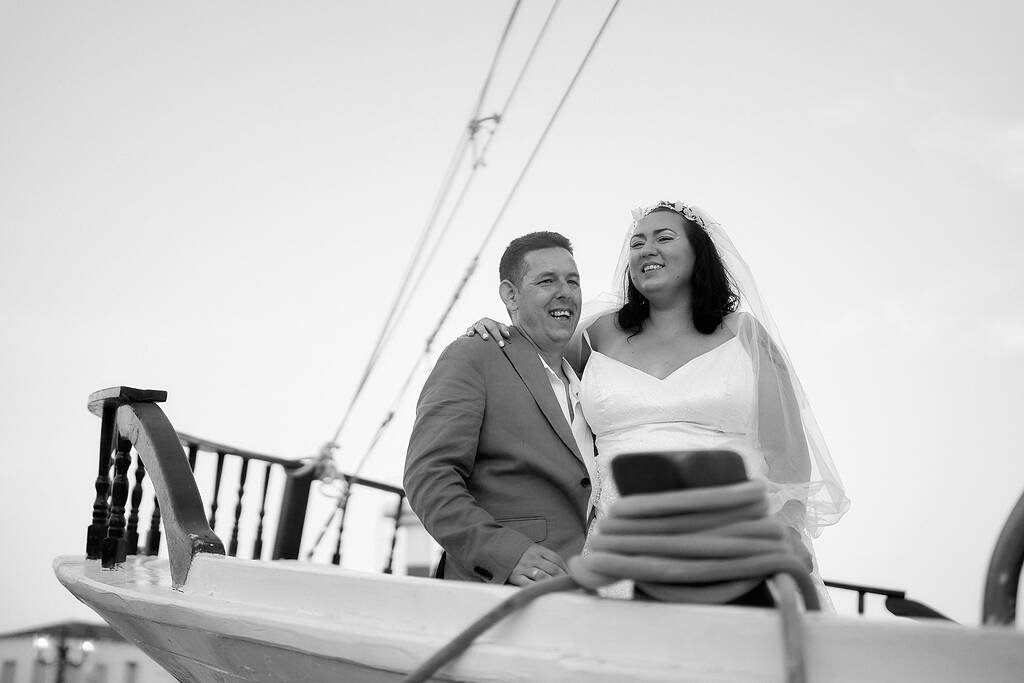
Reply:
x=325, y=453
x=480, y=156
x=508, y=200
x=404, y=299
x=540, y=143
x=465, y=139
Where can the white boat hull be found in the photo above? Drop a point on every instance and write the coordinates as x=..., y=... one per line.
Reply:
x=243, y=620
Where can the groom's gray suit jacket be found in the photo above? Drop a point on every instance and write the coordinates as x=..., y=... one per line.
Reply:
x=492, y=465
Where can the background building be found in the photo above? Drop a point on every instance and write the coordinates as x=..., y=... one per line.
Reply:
x=75, y=652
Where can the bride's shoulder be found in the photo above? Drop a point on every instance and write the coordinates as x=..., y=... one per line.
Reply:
x=754, y=335
x=742, y=322
x=602, y=329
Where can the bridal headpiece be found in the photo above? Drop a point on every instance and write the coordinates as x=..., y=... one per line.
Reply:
x=682, y=209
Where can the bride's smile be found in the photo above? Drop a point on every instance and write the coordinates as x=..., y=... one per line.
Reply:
x=660, y=255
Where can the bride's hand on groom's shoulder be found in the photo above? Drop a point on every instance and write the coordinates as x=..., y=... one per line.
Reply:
x=490, y=329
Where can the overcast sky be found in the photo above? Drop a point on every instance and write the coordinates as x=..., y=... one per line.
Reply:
x=219, y=200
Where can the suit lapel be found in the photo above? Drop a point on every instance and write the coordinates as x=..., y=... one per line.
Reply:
x=526, y=360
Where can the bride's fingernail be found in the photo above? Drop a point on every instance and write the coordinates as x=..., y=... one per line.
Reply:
x=484, y=335
x=501, y=343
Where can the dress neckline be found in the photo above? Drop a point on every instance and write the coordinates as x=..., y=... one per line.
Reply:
x=669, y=375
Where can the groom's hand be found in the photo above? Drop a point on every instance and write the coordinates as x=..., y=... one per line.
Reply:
x=536, y=564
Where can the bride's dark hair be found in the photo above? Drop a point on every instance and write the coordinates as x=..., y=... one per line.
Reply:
x=712, y=291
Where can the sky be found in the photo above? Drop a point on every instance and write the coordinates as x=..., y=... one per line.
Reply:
x=220, y=200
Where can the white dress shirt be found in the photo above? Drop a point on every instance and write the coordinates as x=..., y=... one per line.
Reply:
x=574, y=417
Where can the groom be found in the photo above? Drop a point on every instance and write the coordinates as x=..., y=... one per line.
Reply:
x=497, y=466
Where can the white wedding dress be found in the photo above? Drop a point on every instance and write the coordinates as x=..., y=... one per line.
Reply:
x=707, y=403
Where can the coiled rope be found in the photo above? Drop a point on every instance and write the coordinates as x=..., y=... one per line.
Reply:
x=702, y=545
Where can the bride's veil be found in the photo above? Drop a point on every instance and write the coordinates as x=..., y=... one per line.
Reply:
x=804, y=485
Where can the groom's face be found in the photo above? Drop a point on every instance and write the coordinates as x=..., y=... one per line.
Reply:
x=545, y=304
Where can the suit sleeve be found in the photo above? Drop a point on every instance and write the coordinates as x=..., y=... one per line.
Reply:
x=439, y=463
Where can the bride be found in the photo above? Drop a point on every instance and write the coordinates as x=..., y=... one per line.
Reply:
x=685, y=356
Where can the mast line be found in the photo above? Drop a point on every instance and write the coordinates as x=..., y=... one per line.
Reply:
x=476, y=258
x=465, y=139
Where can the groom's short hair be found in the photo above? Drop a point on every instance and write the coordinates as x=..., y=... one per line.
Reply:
x=512, y=266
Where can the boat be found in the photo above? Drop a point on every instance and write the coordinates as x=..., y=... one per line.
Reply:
x=206, y=615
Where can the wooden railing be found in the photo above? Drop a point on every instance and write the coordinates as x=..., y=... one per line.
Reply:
x=294, y=500
x=132, y=420
x=896, y=601
x=1002, y=581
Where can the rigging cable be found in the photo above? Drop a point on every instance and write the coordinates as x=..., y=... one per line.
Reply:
x=476, y=258
x=527, y=165
x=325, y=461
x=354, y=476
x=443, y=191
x=465, y=139
x=477, y=162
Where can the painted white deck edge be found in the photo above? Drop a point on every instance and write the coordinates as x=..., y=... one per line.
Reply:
x=393, y=623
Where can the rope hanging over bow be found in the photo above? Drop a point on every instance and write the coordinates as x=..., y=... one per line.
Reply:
x=703, y=545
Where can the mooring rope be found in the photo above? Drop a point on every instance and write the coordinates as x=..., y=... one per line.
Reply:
x=703, y=545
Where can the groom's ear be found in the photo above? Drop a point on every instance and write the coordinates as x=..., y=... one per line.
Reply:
x=509, y=294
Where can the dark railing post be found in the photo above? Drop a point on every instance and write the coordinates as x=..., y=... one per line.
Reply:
x=257, y=548
x=216, y=490
x=97, y=531
x=999, y=605
x=114, y=544
x=139, y=423
x=233, y=546
x=394, y=534
x=862, y=592
x=132, y=537
x=294, y=500
x=336, y=557
x=153, y=535
x=293, y=514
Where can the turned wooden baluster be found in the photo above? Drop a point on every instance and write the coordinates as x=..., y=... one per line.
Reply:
x=342, y=506
x=233, y=546
x=113, y=552
x=394, y=534
x=257, y=548
x=132, y=537
x=97, y=531
x=216, y=490
x=153, y=535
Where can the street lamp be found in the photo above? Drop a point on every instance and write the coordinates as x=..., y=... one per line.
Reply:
x=61, y=652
